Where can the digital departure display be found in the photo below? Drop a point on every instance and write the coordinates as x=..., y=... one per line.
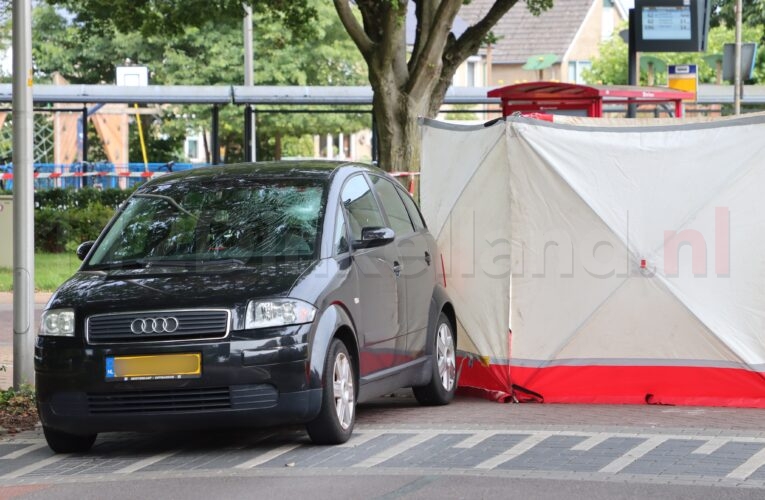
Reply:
x=667, y=22
x=670, y=25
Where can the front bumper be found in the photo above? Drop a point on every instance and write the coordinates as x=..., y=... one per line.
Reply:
x=244, y=382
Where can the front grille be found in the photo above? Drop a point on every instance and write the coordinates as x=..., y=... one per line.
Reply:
x=191, y=325
x=240, y=397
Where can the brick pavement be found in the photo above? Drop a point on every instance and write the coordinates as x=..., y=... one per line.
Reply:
x=471, y=437
x=642, y=443
x=404, y=410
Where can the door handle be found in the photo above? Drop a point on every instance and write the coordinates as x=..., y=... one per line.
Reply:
x=396, y=268
x=427, y=258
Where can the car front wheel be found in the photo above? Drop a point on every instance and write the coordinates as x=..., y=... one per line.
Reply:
x=335, y=421
x=443, y=383
x=63, y=442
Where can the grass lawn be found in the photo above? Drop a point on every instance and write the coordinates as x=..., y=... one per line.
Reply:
x=51, y=269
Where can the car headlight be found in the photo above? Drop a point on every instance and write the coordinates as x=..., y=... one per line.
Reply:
x=278, y=312
x=57, y=323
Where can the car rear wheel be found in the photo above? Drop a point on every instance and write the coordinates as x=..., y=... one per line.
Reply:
x=443, y=383
x=63, y=442
x=335, y=421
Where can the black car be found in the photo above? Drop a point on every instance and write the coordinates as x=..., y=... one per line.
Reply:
x=247, y=295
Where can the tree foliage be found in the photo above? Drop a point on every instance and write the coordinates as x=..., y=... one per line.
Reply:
x=409, y=82
x=169, y=17
x=610, y=68
x=753, y=14
x=205, y=53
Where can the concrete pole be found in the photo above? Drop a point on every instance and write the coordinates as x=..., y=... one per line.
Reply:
x=737, y=83
x=23, y=197
x=633, y=69
x=249, y=71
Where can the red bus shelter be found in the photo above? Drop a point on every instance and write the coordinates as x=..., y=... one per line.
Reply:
x=584, y=100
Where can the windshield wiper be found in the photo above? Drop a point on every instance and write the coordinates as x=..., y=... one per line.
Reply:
x=155, y=263
x=120, y=264
x=194, y=263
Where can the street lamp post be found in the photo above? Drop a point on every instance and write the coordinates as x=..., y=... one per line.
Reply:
x=23, y=196
x=249, y=116
x=737, y=83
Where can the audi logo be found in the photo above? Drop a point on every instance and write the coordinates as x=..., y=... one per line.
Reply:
x=154, y=325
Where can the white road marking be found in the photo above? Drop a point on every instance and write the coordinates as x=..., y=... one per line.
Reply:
x=590, y=443
x=23, y=451
x=391, y=452
x=515, y=451
x=36, y=466
x=359, y=439
x=475, y=439
x=267, y=456
x=711, y=446
x=746, y=469
x=146, y=462
x=634, y=454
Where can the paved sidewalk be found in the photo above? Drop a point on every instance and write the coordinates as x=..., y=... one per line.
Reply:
x=40, y=297
x=6, y=333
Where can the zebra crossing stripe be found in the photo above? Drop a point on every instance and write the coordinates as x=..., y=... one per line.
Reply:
x=360, y=439
x=746, y=469
x=475, y=439
x=146, y=462
x=23, y=451
x=634, y=454
x=711, y=446
x=396, y=450
x=590, y=443
x=267, y=456
x=36, y=466
x=515, y=451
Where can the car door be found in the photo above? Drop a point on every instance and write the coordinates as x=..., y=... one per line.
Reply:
x=381, y=294
x=418, y=270
x=420, y=283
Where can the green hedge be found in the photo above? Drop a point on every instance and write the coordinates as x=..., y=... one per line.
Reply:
x=65, y=218
x=62, y=199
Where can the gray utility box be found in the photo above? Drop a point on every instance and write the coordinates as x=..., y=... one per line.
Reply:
x=6, y=231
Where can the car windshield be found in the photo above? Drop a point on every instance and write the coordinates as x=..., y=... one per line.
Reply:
x=189, y=223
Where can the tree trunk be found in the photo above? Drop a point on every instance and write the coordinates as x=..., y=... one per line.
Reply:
x=398, y=132
x=410, y=82
x=278, y=146
x=398, y=138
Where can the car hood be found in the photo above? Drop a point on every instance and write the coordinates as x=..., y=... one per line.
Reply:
x=163, y=288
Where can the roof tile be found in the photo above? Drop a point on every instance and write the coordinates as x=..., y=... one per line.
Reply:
x=523, y=35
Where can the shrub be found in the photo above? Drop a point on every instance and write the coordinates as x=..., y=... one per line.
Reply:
x=52, y=230
x=79, y=198
x=64, y=218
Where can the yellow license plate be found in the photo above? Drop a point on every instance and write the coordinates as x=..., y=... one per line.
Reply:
x=154, y=367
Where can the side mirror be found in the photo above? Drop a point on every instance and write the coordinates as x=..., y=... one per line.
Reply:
x=375, y=237
x=83, y=249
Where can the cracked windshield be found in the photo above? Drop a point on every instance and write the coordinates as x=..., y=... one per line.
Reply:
x=189, y=224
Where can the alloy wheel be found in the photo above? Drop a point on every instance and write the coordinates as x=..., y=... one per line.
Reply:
x=445, y=357
x=342, y=388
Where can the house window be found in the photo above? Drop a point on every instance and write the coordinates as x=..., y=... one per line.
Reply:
x=607, y=23
x=575, y=70
x=192, y=148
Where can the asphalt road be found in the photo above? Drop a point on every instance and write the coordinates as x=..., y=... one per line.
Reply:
x=470, y=449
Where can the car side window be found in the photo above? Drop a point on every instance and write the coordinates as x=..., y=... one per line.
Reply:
x=358, y=200
x=341, y=232
x=411, y=207
x=398, y=218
